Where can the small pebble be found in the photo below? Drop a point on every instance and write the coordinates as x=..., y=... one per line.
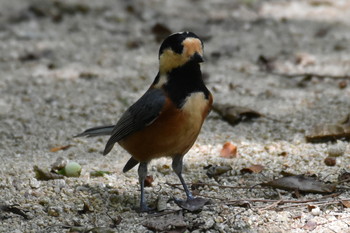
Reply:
x=316, y=211
x=330, y=161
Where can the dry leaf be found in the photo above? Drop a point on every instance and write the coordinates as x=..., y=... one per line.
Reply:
x=160, y=31
x=345, y=203
x=301, y=183
x=266, y=64
x=148, y=181
x=235, y=114
x=13, y=209
x=330, y=132
x=214, y=171
x=58, y=148
x=344, y=177
x=228, y=150
x=45, y=175
x=99, y=173
x=256, y=168
x=163, y=223
x=86, y=209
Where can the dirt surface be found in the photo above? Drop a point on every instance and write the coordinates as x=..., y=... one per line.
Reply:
x=70, y=65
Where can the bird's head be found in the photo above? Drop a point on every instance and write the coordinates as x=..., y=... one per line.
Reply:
x=178, y=49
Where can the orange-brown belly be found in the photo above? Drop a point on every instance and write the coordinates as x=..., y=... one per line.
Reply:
x=172, y=133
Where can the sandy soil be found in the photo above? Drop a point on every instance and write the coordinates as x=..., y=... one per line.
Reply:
x=76, y=64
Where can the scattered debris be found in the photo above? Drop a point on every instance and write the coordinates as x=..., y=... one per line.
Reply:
x=148, y=181
x=256, y=168
x=40, y=174
x=228, y=150
x=235, y=114
x=214, y=171
x=160, y=31
x=330, y=161
x=301, y=183
x=310, y=225
x=99, y=173
x=13, y=209
x=58, y=148
x=304, y=59
x=88, y=75
x=342, y=84
x=345, y=203
x=166, y=222
x=59, y=164
x=330, y=132
x=86, y=209
x=193, y=205
x=266, y=64
x=85, y=229
x=344, y=177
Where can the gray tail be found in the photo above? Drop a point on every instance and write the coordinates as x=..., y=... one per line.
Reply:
x=130, y=164
x=97, y=131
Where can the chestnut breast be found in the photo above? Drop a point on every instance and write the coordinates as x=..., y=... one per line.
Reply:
x=172, y=133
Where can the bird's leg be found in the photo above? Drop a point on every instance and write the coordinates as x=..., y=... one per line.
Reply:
x=177, y=167
x=142, y=176
x=191, y=204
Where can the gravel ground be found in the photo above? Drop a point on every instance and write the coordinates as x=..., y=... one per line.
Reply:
x=77, y=64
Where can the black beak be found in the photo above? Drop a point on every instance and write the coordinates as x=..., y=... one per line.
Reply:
x=197, y=58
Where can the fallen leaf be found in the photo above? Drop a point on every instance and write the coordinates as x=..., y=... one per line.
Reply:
x=88, y=75
x=330, y=132
x=13, y=209
x=310, y=225
x=40, y=174
x=257, y=168
x=99, y=173
x=148, y=181
x=302, y=183
x=58, y=148
x=345, y=203
x=228, y=150
x=310, y=207
x=160, y=31
x=235, y=114
x=164, y=222
x=342, y=84
x=266, y=64
x=344, y=177
x=86, y=209
x=214, y=171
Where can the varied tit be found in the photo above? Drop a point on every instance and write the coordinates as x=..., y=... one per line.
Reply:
x=167, y=119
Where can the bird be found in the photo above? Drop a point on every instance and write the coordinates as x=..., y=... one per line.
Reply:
x=166, y=120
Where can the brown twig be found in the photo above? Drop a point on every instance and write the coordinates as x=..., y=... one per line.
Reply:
x=220, y=186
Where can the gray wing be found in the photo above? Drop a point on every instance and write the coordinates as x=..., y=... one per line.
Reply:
x=138, y=116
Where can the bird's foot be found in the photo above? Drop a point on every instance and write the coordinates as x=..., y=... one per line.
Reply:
x=145, y=209
x=192, y=204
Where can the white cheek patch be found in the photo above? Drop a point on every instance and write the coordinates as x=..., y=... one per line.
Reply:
x=162, y=80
